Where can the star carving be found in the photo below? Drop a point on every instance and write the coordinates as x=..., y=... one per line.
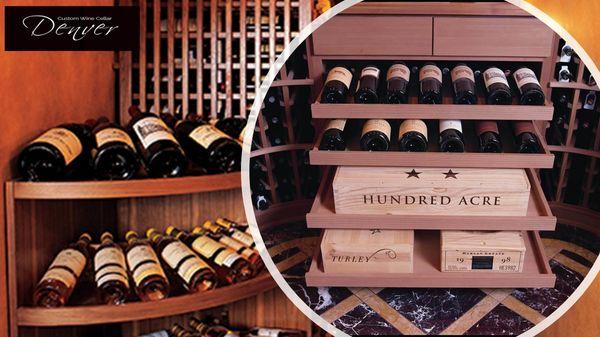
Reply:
x=450, y=174
x=413, y=173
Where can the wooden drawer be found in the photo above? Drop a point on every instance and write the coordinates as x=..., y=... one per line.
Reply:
x=374, y=35
x=487, y=36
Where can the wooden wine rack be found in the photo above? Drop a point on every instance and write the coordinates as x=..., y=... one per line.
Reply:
x=445, y=34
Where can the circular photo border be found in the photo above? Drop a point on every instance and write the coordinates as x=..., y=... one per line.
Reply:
x=256, y=106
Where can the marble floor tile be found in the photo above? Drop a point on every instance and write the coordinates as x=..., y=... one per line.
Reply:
x=500, y=321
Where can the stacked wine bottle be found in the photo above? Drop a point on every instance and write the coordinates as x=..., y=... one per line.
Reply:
x=414, y=134
x=177, y=261
x=150, y=145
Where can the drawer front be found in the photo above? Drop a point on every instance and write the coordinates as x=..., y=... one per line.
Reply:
x=486, y=36
x=374, y=35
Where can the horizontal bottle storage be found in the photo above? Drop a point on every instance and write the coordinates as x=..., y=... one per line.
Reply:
x=322, y=215
x=426, y=270
x=509, y=158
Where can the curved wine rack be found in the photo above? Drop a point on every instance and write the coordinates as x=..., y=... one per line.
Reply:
x=125, y=188
x=102, y=314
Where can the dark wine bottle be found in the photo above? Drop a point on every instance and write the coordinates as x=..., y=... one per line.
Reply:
x=337, y=85
x=59, y=153
x=529, y=87
x=376, y=135
x=489, y=136
x=497, y=88
x=413, y=136
x=207, y=146
x=114, y=156
x=333, y=137
x=525, y=138
x=430, y=79
x=398, y=79
x=451, y=137
x=232, y=126
x=366, y=90
x=162, y=154
x=261, y=197
x=463, y=82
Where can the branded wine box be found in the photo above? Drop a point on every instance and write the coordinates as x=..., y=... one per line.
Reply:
x=367, y=251
x=500, y=251
x=430, y=191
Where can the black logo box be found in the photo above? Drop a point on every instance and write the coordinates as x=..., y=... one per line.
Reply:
x=71, y=28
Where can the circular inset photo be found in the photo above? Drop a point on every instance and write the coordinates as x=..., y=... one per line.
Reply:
x=427, y=168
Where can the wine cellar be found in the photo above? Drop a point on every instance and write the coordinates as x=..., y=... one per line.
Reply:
x=208, y=58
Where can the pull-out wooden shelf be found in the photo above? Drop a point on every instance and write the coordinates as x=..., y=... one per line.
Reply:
x=322, y=215
x=352, y=156
x=426, y=270
x=102, y=314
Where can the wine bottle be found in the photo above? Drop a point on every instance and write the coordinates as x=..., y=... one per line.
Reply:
x=261, y=197
x=489, y=136
x=413, y=136
x=229, y=266
x=497, y=88
x=451, y=137
x=376, y=135
x=430, y=78
x=196, y=274
x=564, y=74
x=526, y=140
x=207, y=330
x=529, y=87
x=177, y=330
x=149, y=278
x=207, y=146
x=337, y=85
x=556, y=131
x=584, y=136
x=111, y=271
x=274, y=332
x=232, y=126
x=333, y=137
x=59, y=153
x=114, y=156
x=226, y=223
x=366, y=90
x=162, y=154
x=235, y=234
x=463, y=82
x=57, y=284
x=398, y=79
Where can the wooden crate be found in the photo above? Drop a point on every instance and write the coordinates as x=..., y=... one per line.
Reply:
x=367, y=251
x=476, y=251
x=426, y=273
x=431, y=191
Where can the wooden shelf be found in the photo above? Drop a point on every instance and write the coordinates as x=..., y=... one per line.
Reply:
x=125, y=188
x=103, y=314
x=437, y=8
x=426, y=270
x=471, y=158
x=322, y=215
x=573, y=85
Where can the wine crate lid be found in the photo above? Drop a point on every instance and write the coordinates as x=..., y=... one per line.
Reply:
x=406, y=177
x=378, y=237
x=496, y=240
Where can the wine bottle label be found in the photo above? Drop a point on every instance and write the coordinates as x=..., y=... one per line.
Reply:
x=109, y=135
x=340, y=74
x=525, y=76
x=486, y=126
x=151, y=130
x=64, y=140
x=66, y=267
x=269, y=332
x=380, y=125
x=109, y=264
x=206, y=246
x=460, y=72
x=416, y=125
x=232, y=243
x=176, y=252
x=206, y=134
x=590, y=101
x=244, y=238
x=143, y=262
x=523, y=126
x=338, y=124
x=494, y=75
x=111, y=273
x=227, y=258
x=448, y=124
x=399, y=70
x=430, y=71
x=370, y=71
x=190, y=267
